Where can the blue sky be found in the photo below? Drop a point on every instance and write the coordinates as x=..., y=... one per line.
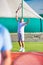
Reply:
x=37, y=5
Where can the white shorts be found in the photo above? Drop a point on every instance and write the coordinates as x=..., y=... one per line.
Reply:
x=20, y=37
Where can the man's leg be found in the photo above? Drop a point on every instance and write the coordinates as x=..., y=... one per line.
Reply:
x=0, y=58
x=22, y=41
x=19, y=41
x=20, y=44
x=23, y=46
x=6, y=58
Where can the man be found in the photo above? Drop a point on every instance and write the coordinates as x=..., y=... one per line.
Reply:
x=5, y=46
x=21, y=25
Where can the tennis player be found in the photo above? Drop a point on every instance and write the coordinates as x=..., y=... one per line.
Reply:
x=21, y=26
x=5, y=46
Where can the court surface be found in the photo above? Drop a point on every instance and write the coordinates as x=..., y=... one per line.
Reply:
x=27, y=58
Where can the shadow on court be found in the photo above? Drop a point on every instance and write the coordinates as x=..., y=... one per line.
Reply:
x=27, y=58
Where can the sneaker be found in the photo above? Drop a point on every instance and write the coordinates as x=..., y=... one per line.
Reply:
x=20, y=50
x=23, y=50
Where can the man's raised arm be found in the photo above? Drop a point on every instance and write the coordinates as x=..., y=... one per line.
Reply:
x=17, y=16
x=20, y=6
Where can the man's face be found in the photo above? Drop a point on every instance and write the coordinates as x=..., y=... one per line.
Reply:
x=22, y=20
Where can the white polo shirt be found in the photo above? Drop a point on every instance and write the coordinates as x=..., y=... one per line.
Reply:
x=21, y=26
